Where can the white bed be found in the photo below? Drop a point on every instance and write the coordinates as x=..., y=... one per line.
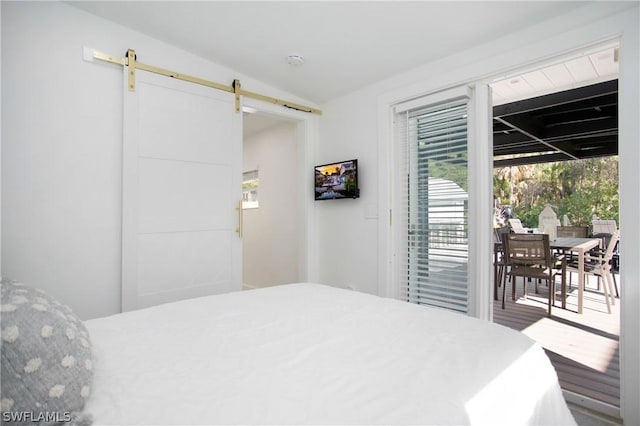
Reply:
x=314, y=354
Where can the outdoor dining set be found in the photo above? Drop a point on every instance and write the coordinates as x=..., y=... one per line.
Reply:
x=552, y=253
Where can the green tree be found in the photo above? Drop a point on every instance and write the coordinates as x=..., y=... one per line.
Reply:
x=579, y=189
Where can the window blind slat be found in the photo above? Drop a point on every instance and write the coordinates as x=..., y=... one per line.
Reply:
x=433, y=152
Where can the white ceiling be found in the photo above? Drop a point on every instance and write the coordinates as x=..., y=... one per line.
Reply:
x=346, y=44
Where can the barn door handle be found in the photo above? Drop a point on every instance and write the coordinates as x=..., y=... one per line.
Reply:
x=240, y=225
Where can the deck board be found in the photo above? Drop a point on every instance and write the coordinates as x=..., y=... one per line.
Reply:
x=584, y=349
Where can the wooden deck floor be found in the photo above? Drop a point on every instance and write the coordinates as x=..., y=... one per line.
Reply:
x=584, y=349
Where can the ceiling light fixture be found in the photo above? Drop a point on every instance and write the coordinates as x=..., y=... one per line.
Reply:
x=295, y=60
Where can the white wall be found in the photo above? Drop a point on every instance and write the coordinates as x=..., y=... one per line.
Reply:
x=61, y=147
x=270, y=242
x=352, y=126
x=347, y=228
x=1, y=144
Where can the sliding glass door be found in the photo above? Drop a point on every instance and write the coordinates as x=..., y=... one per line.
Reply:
x=433, y=205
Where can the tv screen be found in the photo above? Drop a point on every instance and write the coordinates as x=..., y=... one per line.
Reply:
x=337, y=180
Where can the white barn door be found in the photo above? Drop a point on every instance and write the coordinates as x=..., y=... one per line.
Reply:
x=182, y=168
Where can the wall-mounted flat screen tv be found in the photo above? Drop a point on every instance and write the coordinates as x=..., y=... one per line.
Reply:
x=337, y=180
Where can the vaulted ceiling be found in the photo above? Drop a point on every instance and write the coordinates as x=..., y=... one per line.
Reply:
x=346, y=45
x=568, y=125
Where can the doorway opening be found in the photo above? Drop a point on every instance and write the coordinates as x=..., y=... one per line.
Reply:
x=271, y=213
x=547, y=120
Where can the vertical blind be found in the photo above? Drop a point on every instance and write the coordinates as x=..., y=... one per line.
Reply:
x=433, y=192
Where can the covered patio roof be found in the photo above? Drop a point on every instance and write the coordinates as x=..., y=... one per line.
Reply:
x=569, y=125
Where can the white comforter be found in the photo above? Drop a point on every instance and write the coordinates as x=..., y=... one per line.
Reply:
x=314, y=354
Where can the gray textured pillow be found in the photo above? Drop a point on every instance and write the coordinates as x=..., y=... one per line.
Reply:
x=46, y=358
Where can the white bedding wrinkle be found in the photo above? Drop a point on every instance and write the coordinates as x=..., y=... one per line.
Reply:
x=314, y=354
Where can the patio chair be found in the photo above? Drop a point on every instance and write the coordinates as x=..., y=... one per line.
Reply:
x=599, y=264
x=498, y=258
x=615, y=259
x=601, y=226
x=516, y=226
x=572, y=231
x=529, y=256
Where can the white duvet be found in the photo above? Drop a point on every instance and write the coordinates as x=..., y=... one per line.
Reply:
x=314, y=354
